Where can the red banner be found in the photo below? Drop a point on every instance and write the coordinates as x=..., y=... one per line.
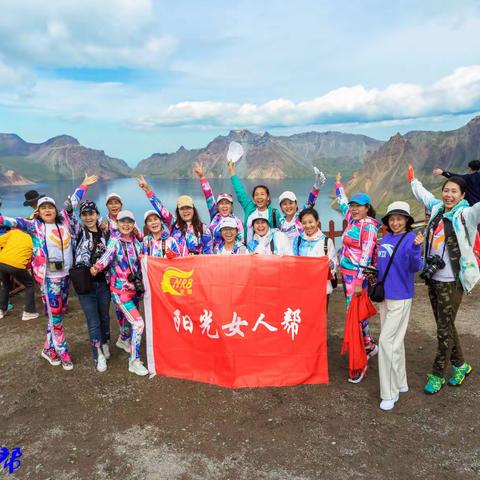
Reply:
x=237, y=320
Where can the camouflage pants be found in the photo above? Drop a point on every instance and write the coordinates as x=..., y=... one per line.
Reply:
x=445, y=298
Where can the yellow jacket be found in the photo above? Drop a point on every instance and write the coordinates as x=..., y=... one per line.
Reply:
x=16, y=249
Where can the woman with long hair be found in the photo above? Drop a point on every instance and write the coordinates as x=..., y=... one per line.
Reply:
x=191, y=235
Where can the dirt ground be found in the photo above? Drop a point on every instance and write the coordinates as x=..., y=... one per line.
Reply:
x=87, y=425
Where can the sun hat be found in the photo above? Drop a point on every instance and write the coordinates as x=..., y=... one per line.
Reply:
x=43, y=200
x=125, y=214
x=258, y=216
x=113, y=195
x=361, y=199
x=225, y=196
x=398, y=208
x=185, y=201
x=150, y=212
x=31, y=197
x=287, y=196
x=228, y=222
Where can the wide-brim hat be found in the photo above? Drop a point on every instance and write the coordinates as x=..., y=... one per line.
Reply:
x=398, y=208
x=31, y=197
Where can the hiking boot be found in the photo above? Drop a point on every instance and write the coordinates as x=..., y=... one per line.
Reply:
x=29, y=316
x=123, y=345
x=459, y=374
x=101, y=363
x=358, y=378
x=388, y=404
x=51, y=357
x=67, y=363
x=106, y=351
x=434, y=384
x=137, y=367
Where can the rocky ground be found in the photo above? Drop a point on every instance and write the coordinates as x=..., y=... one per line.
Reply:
x=86, y=425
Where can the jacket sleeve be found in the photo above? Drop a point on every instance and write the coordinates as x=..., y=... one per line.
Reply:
x=312, y=198
x=369, y=242
x=241, y=193
x=165, y=214
x=332, y=254
x=423, y=195
x=207, y=241
x=472, y=218
x=415, y=260
x=78, y=195
x=342, y=199
x=209, y=198
x=27, y=226
x=106, y=259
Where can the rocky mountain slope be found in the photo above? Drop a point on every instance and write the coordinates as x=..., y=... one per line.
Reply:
x=267, y=156
x=383, y=175
x=59, y=158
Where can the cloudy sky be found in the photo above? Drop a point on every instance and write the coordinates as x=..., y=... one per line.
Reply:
x=133, y=77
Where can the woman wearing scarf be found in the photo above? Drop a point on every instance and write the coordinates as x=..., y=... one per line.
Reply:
x=358, y=248
x=450, y=270
x=266, y=240
x=229, y=243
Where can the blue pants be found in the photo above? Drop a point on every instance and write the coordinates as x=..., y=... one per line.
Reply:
x=96, y=306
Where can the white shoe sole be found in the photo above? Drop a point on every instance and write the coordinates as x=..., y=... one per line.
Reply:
x=31, y=316
x=140, y=374
x=123, y=347
x=53, y=363
x=67, y=367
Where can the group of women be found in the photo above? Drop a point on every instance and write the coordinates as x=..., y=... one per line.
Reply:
x=111, y=248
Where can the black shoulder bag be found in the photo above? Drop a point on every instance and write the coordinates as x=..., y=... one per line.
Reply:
x=376, y=291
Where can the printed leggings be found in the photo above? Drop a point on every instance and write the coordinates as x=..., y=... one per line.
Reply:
x=55, y=300
x=349, y=290
x=126, y=304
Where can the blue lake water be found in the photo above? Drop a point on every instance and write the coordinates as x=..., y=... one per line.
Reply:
x=167, y=190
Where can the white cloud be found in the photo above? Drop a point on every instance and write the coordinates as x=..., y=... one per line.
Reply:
x=454, y=94
x=106, y=33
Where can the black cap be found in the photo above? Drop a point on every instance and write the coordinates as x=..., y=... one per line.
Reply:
x=31, y=197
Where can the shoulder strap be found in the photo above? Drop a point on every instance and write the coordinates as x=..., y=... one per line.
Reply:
x=299, y=242
x=274, y=217
x=272, y=245
x=325, y=246
x=391, y=257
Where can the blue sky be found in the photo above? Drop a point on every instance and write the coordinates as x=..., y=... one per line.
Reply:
x=134, y=77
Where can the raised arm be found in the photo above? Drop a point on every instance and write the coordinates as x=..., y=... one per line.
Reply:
x=207, y=190
x=313, y=195
x=165, y=214
x=240, y=192
x=420, y=192
x=342, y=199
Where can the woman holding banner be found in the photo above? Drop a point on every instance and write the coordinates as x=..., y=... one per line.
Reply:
x=191, y=235
x=357, y=252
x=266, y=240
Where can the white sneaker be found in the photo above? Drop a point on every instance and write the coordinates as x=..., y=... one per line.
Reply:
x=101, y=363
x=2, y=314
x=403, y=389
x=123, y=345
x=388, y=404
x=137, y=367
x=29, y=316
x=106, y=350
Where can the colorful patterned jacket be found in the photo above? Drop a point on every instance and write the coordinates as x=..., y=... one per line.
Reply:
x=215, y=215
x=293, y=229
x=159, y=247
x=359, y=240
x=187, y=242
x=122, y=257
x=36, y=229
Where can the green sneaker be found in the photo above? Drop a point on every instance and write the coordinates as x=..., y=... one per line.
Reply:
x=434, y=384
x=459, y=374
